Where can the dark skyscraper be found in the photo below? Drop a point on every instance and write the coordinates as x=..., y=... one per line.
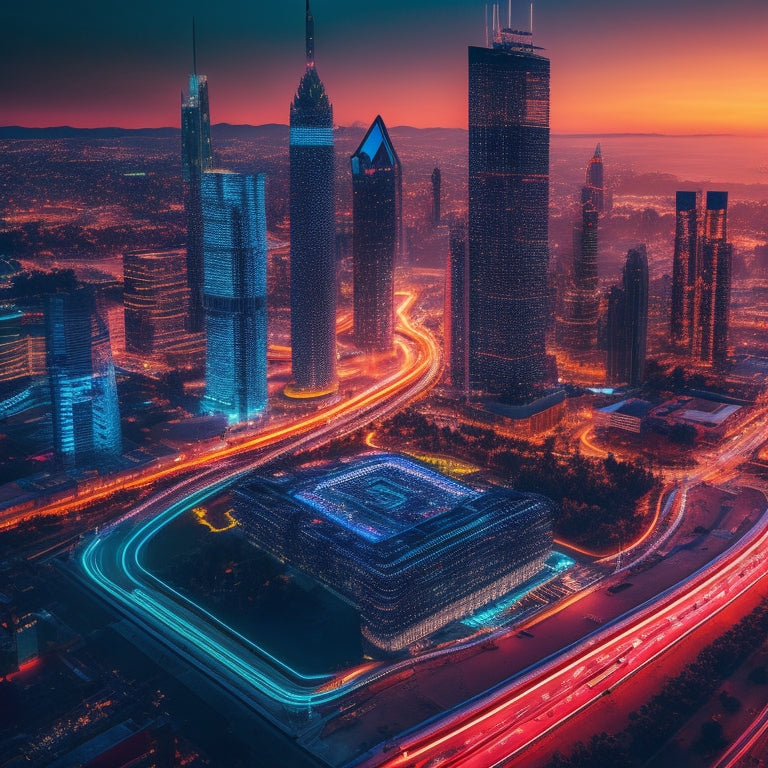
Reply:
x=578, y=329
x=713, y=284
x=313, y=229
x=377, y=190
x=437, y=181
x=235, y=294
x=86, y=418
x=594, y=189
x=456, y=315
x=195, y=160
x=508, y=216
x=627, y=322
x=687, y=206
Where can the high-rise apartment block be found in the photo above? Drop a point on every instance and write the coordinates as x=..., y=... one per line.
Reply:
x=687, y=225
x=86, y=417
x=376, y=194
x=437, y=183
x=313, y=230
x=235, y=294
x=508, y=216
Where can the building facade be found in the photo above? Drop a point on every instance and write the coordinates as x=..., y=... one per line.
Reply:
x=235, y=294
x=81, y=373
x=437, y=183
x=627, y=322
x=508, y=216
x=684, y=267
x=313, y=229
x=376, y=196
x=456, y=314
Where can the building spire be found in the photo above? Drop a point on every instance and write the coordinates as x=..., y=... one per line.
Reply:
x=310, y=38
x=194, y=48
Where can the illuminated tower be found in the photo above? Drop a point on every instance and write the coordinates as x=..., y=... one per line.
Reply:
x=456, y=314
x=436, y=191
x=687, y=207
x=578, y=330
x=594, y=189
x=312, y=211
x=235, y=294
x=86, y=418
x=376, y=189
x=713, y=284
x=195, y=160
x=508, y=215
x=627, y=322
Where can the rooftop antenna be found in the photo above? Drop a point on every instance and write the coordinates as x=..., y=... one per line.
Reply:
x=531, y=23
x=310, y=38
x=496, y=23
x=194, y=48
x=487, y=41
x=509, y=14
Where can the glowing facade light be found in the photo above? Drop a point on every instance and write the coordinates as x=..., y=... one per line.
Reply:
x=235, y=294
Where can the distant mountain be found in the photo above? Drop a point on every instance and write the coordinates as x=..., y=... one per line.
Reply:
x=67, y=132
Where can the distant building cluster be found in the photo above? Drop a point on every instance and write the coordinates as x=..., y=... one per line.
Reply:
x=410, y=548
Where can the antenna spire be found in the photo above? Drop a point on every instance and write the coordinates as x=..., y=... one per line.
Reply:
x=487, y=40
x=194, y=48
x=310, y=38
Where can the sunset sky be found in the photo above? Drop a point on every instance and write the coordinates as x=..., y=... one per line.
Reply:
x=668, y=66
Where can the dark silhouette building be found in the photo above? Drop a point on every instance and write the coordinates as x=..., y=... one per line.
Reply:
x=627, y=322
x=594, y=189
x=81, y=373
x=508, y=216
x=437, y=181
x=312, y=211
x=578, y=328
x=684, y=266
x=456, y=314
x=235, y=295
x=196, y=158
x=376, y=195
x=712, y=294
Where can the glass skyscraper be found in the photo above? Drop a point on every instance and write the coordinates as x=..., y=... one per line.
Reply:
x=627, y=322
x=86, y=417
x=376, y=195
x=313, y=232
x=687, y=225
x=456, y=314
x=235, y=294
x=594, y=189
x=196, y=158
x=508, y=216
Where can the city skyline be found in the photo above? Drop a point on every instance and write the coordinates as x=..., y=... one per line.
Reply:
x=247, y=51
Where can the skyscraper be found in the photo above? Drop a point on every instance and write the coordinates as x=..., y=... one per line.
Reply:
x=712, y=296
x=578, y=328
x=686, y=256
x=86, y=418
x=235, y=294
x=456, y=315
x=508, y=215
x=312, y=211
x=156, y=301
x=627, y=322
x=196, y=158
x=594, y=189
x=437, y=181
x=376, y=190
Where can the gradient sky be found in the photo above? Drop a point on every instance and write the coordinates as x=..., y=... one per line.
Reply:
x=669, y=66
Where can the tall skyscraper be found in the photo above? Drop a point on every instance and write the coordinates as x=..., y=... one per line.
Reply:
x=313, y=227
x=684, y=266
x=196, y=158
x=578, y=328
x=594, y=189
x=376, y=190
x=235, y=294
x=156, y=300
x=437, y=181
x=508, y=215
x=456, y=314
x=712, y=296
x=86, y=417
x=627, y=322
